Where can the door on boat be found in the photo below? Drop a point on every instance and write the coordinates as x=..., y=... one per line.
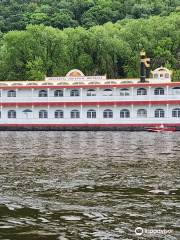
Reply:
x=27, y=113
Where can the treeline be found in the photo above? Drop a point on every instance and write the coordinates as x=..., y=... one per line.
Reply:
x=110, y=48
x=17, y=14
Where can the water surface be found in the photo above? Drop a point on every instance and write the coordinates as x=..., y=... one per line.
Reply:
x=89, y=185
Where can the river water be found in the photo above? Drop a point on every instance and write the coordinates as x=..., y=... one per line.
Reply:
x=89, y=185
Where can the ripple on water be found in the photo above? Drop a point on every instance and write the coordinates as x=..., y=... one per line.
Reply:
x=88, y=185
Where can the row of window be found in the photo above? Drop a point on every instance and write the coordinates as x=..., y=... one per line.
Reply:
x=108, y=113
x=92, y=92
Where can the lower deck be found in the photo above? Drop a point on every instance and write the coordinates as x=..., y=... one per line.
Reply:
x=92, y=115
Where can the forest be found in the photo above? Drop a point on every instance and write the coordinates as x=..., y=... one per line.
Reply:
x=17, y=14
x=50, y=37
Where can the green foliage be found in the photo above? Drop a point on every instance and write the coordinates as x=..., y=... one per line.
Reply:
x=32, y=53
x=111, y=48
x=35, y=69
x=176, y=75
x=17, y=14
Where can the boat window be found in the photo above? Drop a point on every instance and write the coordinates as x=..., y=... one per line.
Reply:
x=141, y=91
x=159, y=113
x=59, y=114
x=176, y=112
x=75, y=114
x=124, y=92
x=27, y=111
x=47, y=84
x=11, y=93
x=43, y=114
x=63, y=83
x=16, y=84
x=91, y=113
x=75, y=93
x=159, y=91
x=11, y=114
x=110, y=82
x=127, y=82
x=108, y=113
x=58, y=93
x=142, y=113
x=155, y=75
x=124, y=113
x=43, y=93
x=107, y=92
x=31, y=84
x=91, y=92
x=78, y=83
x=176, y=90
x=95, y=83
x=3, y=84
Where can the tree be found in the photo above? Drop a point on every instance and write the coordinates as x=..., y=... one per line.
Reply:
x=111, y=49
x=32, y=53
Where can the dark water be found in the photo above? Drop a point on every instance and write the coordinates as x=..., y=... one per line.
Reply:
x=89, y=185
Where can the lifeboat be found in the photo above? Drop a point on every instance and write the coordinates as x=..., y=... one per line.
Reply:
x=161, y=128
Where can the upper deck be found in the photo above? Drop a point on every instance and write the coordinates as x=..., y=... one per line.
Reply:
x=80, y=89
x=76, y=79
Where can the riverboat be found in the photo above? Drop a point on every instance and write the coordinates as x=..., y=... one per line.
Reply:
x=79, y=102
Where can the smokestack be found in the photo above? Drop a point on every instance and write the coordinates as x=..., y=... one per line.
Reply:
x=144, y=66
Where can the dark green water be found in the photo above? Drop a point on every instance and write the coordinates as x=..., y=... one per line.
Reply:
x=89, y=185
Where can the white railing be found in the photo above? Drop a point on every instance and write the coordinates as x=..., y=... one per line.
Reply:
x=90, y=121
x=90, y=98
x=85, y=79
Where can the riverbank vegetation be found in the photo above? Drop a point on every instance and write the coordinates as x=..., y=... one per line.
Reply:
x=35, y=48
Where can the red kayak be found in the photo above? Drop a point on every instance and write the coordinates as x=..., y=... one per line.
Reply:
x=161, y=128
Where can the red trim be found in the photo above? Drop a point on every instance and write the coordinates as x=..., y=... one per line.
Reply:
x=107, y=103
x=173, y=84
x=89, y=125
